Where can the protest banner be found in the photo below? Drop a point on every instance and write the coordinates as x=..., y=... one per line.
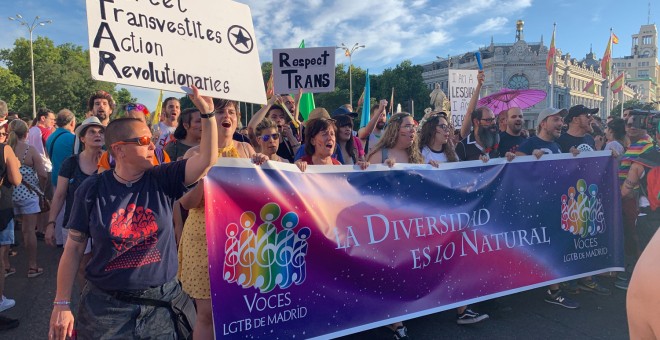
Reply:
x=334, y=251
x=173, y=44
x=462, y=84
x=310, y=69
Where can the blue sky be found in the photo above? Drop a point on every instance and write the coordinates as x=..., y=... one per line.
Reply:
x=392, y=30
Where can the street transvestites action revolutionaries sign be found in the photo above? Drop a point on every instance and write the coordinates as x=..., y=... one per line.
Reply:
x=172, y=44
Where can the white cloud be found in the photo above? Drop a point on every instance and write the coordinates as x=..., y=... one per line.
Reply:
x=491, y=25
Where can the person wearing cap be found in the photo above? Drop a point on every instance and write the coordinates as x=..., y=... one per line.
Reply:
x=59, y=147
x=578, y=136
x=72, y=173
x=544, y=142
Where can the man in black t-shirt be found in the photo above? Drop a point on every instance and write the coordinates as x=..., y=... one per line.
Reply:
x=579, y=128
x=512, y=137
x=484, y=139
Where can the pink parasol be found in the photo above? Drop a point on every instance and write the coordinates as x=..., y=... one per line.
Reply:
x=508, y=98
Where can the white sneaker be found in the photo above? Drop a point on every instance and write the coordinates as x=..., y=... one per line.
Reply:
x=6, y=303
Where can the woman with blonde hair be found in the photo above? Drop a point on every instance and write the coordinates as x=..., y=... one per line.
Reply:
x=268, y=138
x=398, y=144
x=26, y=195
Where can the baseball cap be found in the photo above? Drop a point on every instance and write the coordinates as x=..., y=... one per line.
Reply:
x=343, y=111
x=578, y=110
x=551, y=111
x=91, y=121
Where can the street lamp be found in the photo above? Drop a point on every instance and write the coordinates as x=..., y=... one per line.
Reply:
x=349, y=53
x=31, y=28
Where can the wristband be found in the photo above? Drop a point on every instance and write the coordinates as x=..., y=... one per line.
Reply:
x=61, y=303
x=206, y=115
x=50, y=222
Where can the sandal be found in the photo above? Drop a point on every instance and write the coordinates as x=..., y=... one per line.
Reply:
x=34, y=272
x=10, y=272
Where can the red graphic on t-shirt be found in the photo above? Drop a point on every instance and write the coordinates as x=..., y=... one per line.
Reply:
x=134, y=236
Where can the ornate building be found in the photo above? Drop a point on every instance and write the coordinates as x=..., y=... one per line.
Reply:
x=521, y=65
x=641, y=67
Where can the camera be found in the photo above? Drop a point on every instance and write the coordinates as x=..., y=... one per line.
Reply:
x=646, y=119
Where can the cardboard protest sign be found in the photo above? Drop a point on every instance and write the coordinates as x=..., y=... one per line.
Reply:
x=312, y=69
x=462, y=84
x=173, y=44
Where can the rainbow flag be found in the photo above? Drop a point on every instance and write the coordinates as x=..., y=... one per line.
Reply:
x=606, y=63
x=590, y=87
x=617, y=84
x=549, y=62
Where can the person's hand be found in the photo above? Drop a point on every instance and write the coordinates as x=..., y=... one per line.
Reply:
x=484, y=158
x=574, y=151
x=382, y=104
x=615, y=154
x=302, y=165
x=61, y=323
x=203, y=103
x=50, y=234
x=288, y=133
x=274, y=99
x=524, y=133
x=362, y=164
x=509, y=156
x=538, y=153
x=259, y=158
x=434, y=163
x=481, y=77
x=390, y=162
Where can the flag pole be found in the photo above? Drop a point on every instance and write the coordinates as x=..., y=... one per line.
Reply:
x=552, y=83
x=609, y=73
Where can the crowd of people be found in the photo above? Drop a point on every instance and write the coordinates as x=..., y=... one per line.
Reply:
x=120, y=196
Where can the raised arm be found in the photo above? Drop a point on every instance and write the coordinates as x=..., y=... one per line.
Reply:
x=258, y=117
x=467, y=122
x=199, y=164
x=364, y=132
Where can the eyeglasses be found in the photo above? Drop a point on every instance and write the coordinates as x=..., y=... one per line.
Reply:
x=3, y=134
x=274, y=136
x=488, y=120
x=444, y=127
x=141, y=141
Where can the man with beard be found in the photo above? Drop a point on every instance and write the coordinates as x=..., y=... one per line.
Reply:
x=512, y=137
x=101, y=105
x=579, y=128
x=484, y=140
x=171, y=110
x=370, y=134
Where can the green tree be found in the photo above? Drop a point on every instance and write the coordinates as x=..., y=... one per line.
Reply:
x=62, y=76
x=633, y=103
x=10, y=89
x=408, y=84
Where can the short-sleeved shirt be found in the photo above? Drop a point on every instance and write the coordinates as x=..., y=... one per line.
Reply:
x=534, y=143
x=431, y=155
x=584, y=143
x=59, y=147
x=176, y=149
x=70, y=169
x=308, y=159
x=165, y=134
x=131, y=227
x=509, y=143
x=38, y=142
x=469, y=150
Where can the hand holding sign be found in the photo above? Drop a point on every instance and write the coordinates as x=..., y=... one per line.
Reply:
x=203, y=103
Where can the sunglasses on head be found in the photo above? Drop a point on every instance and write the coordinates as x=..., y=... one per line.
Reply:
x=137, y=107
x=274, y=136
x=141, y=141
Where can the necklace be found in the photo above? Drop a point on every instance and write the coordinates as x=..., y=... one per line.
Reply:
x=128, y=183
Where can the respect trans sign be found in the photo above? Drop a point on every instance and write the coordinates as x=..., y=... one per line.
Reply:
x=310, y=69
x=173, y=44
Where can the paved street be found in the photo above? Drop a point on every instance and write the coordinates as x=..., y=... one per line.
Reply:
x=520, y=316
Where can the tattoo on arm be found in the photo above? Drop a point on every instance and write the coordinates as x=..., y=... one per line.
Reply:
x=77, y=236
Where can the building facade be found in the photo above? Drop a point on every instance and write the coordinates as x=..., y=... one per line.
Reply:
x=521, y=65
x=641, y=66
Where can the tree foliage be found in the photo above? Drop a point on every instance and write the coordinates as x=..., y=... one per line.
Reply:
x=62, y=78
x=634, y=104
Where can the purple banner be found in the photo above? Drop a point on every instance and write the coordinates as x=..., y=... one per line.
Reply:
x=334, y=250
